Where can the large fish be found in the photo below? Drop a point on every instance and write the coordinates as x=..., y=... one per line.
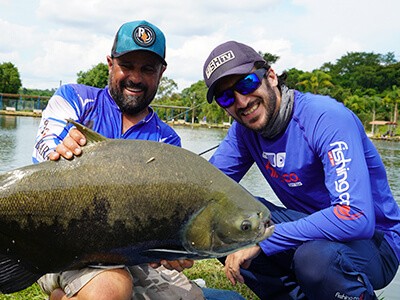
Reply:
x=122, y=202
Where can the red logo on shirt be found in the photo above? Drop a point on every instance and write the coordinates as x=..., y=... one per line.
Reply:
x=291, y=179
x=343, y=212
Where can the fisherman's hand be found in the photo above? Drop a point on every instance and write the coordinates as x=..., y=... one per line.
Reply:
x=70, y=146
x=241, y=258
x=178, y=265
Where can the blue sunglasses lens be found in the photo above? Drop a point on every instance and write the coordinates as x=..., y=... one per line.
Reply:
x=244, y=86
x=226, y=99
x=248, y=84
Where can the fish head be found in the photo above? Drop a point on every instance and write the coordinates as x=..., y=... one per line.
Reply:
x=225, y=226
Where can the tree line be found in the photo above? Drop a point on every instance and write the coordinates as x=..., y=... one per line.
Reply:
x=366, y=82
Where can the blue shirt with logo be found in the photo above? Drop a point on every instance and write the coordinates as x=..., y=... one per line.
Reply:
x=324, y=165
x=96, y=109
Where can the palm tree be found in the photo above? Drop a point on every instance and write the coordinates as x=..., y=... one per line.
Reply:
x=315, y=81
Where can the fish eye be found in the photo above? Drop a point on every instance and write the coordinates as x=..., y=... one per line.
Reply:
x=246, y=225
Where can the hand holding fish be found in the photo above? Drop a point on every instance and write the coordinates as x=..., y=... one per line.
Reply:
x=241, y=258
x=70, y=146
x=178, y=265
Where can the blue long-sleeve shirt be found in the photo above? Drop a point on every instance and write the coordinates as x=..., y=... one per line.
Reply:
x=323, y=164
x=96, y=109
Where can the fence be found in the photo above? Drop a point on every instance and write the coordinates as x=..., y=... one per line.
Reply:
x=21, y=102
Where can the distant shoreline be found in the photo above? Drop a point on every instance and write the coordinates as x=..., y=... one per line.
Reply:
x=38, y=114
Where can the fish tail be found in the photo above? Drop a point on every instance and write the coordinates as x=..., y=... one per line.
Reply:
x=14, y=276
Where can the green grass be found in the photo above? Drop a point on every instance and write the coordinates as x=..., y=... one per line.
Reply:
x=209, y=270
x=32, y=293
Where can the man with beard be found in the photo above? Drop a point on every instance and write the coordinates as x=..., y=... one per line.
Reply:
x=338, y=234
x=120, y=110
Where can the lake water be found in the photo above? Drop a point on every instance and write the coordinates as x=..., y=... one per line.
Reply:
x=17, y=139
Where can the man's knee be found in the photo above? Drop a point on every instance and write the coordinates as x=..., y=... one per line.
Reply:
x=111, y=284
x=312, y=261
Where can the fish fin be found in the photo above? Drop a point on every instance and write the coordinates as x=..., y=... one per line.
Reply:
x=91, y=136
x=14, y=276
x=169, y=254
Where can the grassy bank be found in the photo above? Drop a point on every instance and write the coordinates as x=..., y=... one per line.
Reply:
x=32, y=293
x=210, y=270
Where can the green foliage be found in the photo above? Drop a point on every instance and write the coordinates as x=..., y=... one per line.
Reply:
x=166, y=89
x=37, y=92
x=269, y=58
x=315, y=82
x=362, y=70
x=293, y=77
x=357, y=79
x=363, y=81
x=97, y=76
x=10, y=81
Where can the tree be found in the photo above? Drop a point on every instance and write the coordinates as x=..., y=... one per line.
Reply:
x=315, y=81
x=392, y=98
x=97, y=76
x=10, y=81
x=363, y=70
x=269, y=58
x=37, y=92
x=388, y=58
x=389, y=76
x=166, y=88
x=293, y=76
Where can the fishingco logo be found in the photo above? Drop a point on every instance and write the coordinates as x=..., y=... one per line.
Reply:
x=341, y=296
x=219, y=61
x=337, y=158
x=277, y=160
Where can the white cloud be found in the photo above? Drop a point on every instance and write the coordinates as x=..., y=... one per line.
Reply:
x=53, y=40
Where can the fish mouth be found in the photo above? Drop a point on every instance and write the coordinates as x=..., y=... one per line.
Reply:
x=266, y=229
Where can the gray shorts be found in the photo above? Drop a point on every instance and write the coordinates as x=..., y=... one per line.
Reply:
x=148, y=283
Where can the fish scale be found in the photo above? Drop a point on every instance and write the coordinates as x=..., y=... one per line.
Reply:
x=121, y=202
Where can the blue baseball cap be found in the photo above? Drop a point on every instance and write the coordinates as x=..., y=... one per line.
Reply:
x=230, y=58
x=139, y=35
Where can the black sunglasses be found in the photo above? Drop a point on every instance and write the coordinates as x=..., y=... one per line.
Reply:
x=244, y=86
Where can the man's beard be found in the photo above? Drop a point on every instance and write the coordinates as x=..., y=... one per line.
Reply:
x=270, y=111
x=130, y=105
x=270, y=107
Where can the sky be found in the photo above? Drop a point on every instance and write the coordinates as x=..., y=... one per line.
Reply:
x=50, y=41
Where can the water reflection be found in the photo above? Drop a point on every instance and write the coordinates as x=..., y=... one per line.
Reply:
x=390, y=153
x=8, y=122
x=7, y=139
x=17, y=138
x=17, y=135
x=199, y=140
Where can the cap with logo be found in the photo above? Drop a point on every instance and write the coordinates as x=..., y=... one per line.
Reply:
x=139, y=35
x=228, y=59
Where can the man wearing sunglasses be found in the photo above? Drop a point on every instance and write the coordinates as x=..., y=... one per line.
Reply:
x=338, y=234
